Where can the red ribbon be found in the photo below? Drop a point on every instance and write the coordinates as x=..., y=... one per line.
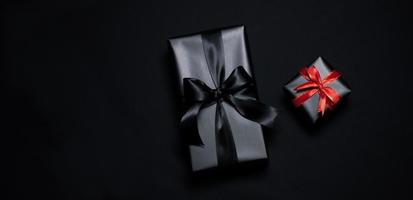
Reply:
x=328, y=96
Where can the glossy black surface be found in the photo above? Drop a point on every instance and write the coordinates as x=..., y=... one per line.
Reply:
x=90, y=110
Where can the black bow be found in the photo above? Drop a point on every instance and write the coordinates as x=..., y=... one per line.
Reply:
x=237, y=90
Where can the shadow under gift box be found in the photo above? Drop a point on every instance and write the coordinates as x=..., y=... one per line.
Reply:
x=310, y=106
x=191, y=62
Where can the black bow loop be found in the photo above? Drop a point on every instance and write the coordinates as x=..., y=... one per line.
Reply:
x=196, y=91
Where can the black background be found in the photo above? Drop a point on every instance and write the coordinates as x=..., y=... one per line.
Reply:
x=91, y=111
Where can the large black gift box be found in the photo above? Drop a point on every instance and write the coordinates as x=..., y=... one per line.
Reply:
x=213, y=64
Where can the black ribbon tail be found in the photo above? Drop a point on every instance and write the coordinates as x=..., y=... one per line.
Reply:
x=254, y=110
x=189, y=123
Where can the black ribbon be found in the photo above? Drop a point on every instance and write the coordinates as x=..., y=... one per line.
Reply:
x=237, y=90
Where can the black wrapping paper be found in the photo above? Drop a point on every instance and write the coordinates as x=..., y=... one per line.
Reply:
x=246, y=135
x=310, y=106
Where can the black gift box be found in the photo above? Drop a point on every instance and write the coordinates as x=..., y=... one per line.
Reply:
x=310, y=105
x=193, y=60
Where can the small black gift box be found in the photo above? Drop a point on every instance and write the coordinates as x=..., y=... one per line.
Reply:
x=223, y=116
x=317, y=88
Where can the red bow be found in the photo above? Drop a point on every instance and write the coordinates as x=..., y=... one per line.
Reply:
x=328, y=96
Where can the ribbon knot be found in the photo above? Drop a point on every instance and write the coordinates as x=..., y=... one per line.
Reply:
x=328, y=97
x=218, y=94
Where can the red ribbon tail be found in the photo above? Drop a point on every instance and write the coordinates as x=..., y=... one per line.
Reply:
x=334, y=75
x=322, y=103
x=332, y=95
x=299, y=100
x=307, y=85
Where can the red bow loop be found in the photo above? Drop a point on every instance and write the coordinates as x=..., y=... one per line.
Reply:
x=328, y=97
